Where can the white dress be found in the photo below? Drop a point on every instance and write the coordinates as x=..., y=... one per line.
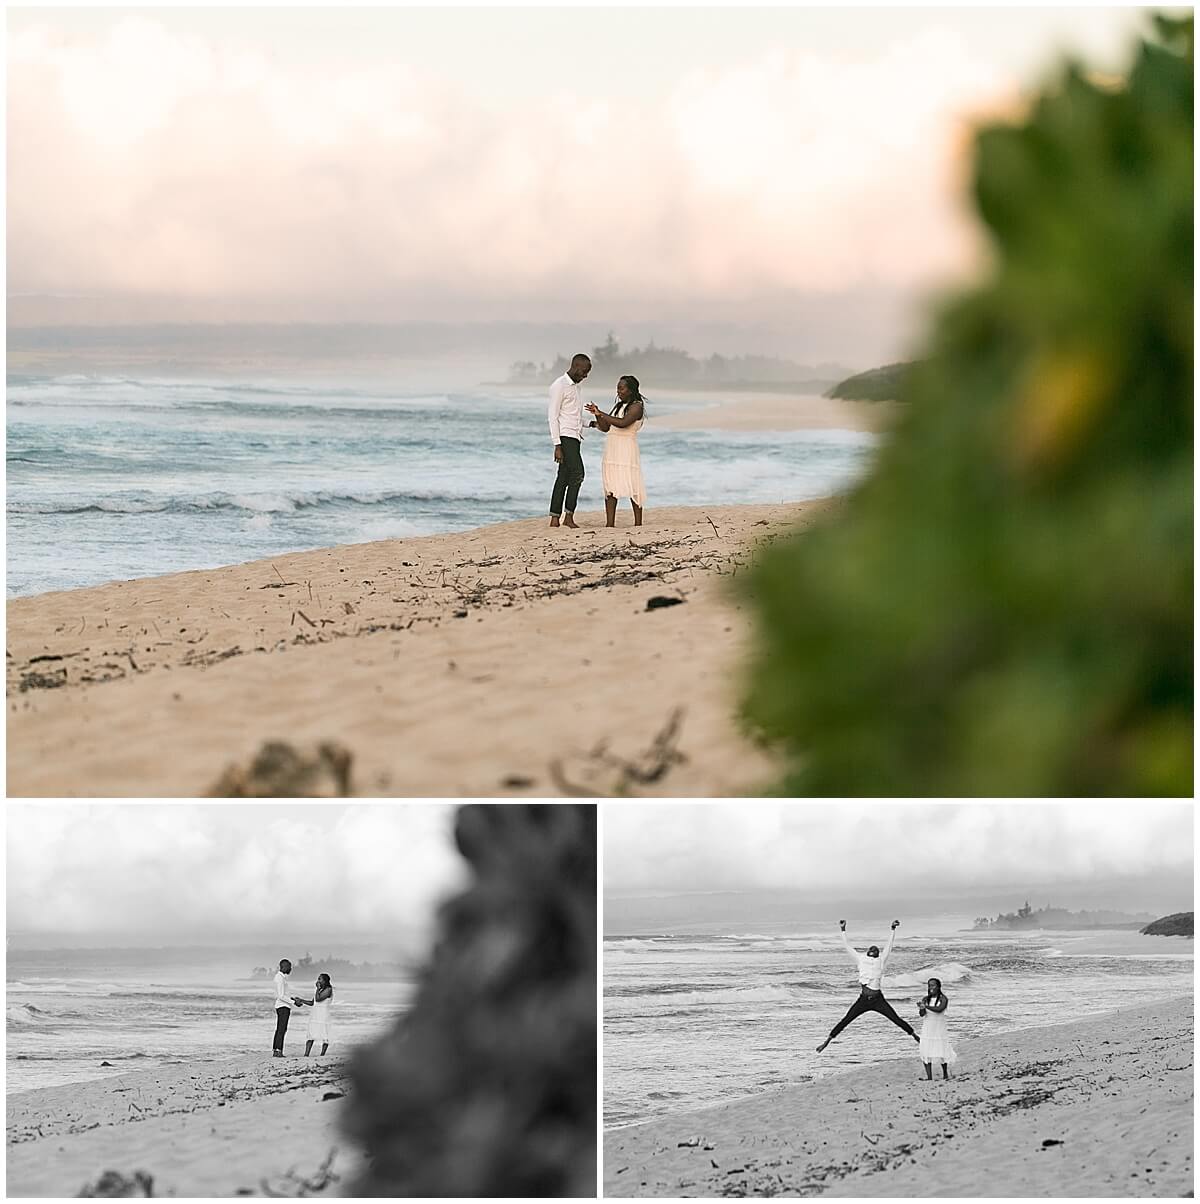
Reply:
x=935, y=1039
x=319, y=1020
x=622, y=464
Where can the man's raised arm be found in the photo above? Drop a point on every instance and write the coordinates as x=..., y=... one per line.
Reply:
x=850, y=949
x=887, y=951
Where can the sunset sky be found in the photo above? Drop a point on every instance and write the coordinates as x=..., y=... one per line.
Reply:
x=383, y=164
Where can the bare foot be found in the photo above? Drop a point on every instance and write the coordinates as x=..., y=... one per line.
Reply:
x=554, y=520
x=610, y=524
x=821, y=1047
x=569, y=521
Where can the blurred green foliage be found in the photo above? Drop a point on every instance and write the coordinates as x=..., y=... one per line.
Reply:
x=1005, y=606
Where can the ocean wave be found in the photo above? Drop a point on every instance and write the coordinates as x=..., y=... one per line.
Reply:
x=950, y=972
x=277, y=502
x=735, y=995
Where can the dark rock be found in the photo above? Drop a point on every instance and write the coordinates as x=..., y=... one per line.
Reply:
x=659, y=601
x=1179, y=923
x=487, y=1086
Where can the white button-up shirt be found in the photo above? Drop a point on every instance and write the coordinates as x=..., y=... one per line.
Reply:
x=566, y=409
x=283, y=990
x=870, y=969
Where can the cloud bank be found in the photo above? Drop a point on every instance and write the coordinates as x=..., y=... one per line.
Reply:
x=890, y=848
x=216, y=872
x=145, y=161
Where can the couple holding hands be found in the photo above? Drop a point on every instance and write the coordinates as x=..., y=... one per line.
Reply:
x=318, y=1019
x=621, y=467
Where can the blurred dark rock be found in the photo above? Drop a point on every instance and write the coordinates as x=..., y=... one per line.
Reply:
x=281, y=771
x=114, y=1184
x=487, y=1087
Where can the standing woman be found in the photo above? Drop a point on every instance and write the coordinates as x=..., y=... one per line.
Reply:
x=935, y=1032
x=318, y=1020
x=622, y=463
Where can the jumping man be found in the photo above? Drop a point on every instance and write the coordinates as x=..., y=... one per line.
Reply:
x=870, y=975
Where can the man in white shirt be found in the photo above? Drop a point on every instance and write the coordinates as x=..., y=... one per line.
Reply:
x=283, y=1006
x=566, y=433
x=870, y=966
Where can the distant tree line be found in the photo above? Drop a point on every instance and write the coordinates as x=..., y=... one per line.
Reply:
x=671, y=366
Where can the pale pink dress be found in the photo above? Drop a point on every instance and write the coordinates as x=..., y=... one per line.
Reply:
x=622, y=464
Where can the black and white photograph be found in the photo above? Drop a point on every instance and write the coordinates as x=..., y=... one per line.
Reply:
x=214, y=1000
x=898, y=999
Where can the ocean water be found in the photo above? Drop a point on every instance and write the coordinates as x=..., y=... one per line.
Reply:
x=62, y=1021
x=704, y=1017
x=111, y=478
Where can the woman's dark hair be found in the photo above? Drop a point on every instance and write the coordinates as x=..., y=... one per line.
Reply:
x=939, y=987
x=635, y=390
x=326, y=977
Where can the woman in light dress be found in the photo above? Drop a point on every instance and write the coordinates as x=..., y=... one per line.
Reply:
x=935, y=1032
x=318, y=1018
x=622, y=463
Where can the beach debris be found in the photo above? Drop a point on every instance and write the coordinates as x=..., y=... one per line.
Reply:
x=516, y=781
x=43, y=681
x=601, y=773
x=332, y=1095
x=1052, y=1141
x=279, y=770
x=113, y=1184
x=294, y=1186
x=105, y=1063
x=660, y=600
x=460, y=614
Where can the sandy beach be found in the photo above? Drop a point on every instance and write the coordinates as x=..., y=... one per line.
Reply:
x=248, y=1125
x=507, y=660
x=1099, y=1107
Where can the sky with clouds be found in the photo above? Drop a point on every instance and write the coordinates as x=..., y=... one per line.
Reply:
x=884, y=850
x=377, y=164
x=211, y=873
